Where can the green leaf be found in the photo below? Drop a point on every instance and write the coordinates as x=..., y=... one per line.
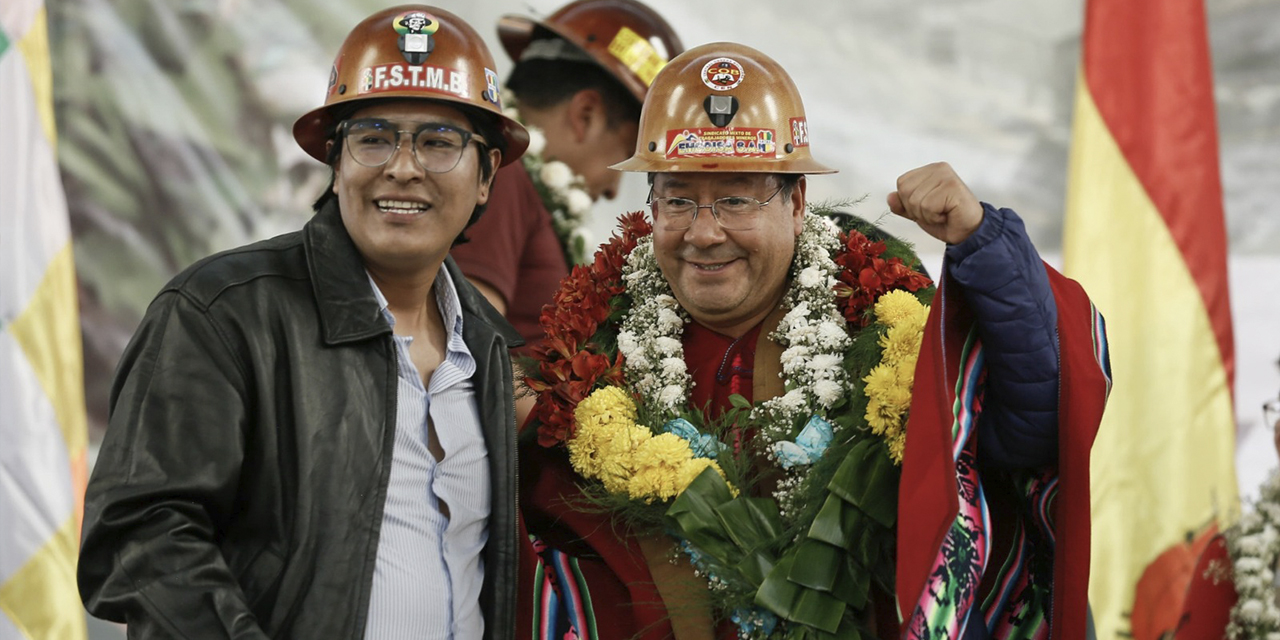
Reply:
x=816, y=565
x=755, y=566
x=828, y=524
x=749, y=522
x=868, y=479
x=853, y=585
x=818, y=609
x=849, y=631
x=776, y=593
x=739, y=402
x=693, y=515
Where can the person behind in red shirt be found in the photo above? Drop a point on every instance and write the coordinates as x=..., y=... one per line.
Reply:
x=578, y=83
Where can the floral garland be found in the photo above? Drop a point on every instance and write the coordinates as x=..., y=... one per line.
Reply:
x=1254, y=545
x=613, y=388
x=563, y=192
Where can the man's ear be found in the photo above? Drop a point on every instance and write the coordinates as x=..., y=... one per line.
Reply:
x=797, y=203
x=486, y=185
x=586, y=113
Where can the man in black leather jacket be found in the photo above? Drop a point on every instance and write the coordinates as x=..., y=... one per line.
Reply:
x=313, y=436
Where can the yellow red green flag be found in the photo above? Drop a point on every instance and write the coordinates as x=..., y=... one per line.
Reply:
x=1145, y=235
x=42, y=435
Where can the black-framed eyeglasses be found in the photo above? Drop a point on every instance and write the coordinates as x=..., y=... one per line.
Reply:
x=437, y=147
x=734, y=213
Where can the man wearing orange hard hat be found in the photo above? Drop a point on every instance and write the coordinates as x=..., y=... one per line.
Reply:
x=579, y=79
x=312, y=436
x=755, y=425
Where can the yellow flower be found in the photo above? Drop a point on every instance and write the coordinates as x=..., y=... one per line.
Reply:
x=607, y=404
x=606, y=438
x=888, y=399
x=692, y=469
x=897, y=446
x=618, y=457
x=901, y=342
x=658, y=462
x=898, y=306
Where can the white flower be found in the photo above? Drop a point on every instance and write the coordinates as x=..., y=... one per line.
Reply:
x=673, y=366
x=794, y=356
x=826, y=363
x=831, y=335
x=537, y=141
x=810, y=277
x=556, y=175
x=1269, y=533
x=1251, y=610
x=827, y=391
x=802, y=332
x=797, y=315
x=671, y=395
x=627, y=343
x=578, y=202
x=1251, y=545
x=667, y=344
x=669, y=320
x=1249, y=565
x=793, y=400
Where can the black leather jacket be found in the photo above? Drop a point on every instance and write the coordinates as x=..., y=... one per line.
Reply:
x=240, y=487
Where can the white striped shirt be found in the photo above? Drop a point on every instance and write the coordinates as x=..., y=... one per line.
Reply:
x=429, y=571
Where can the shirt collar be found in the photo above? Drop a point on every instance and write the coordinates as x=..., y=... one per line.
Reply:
x=446, y=300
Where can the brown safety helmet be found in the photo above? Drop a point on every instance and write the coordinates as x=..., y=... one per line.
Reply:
x=724, y=107
x=410, y=51
x=630, y=40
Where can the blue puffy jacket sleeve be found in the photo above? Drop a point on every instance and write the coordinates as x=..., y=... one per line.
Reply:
x=1004, y=282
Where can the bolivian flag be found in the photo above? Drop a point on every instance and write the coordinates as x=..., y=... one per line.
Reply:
x=1145, y=236
x=42, y=411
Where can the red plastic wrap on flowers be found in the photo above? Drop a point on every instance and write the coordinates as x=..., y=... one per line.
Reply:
x=569, y=363
x=865, y=276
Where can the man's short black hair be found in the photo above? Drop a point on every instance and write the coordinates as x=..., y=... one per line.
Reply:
x=541, y=83
x=484, y=124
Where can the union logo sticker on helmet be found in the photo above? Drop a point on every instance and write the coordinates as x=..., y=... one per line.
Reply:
x=415, y=29
x=722, y=74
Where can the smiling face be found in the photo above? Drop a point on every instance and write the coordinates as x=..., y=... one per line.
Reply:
x=728, y=280
x=401, y=217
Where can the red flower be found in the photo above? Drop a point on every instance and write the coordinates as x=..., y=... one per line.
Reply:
x=865, y=276
x=570, y=364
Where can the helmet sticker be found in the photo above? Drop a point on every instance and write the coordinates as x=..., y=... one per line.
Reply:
x=733, y=143
x=722, y=74
x=491, y=93
x=799, y=132
x=415, y=29
x=333, y=78
x=637, y=54
x=398, y=76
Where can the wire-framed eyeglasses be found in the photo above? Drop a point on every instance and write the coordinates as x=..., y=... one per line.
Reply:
x=437, y=147
x=734, y=213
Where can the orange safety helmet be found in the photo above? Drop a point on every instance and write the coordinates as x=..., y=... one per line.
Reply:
x=630, y=40
x=416, y=52
x=723, y=107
